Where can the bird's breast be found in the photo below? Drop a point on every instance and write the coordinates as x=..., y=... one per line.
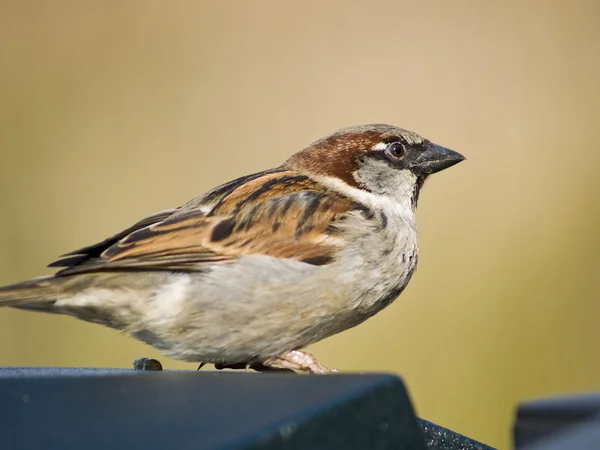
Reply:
x=381, y=257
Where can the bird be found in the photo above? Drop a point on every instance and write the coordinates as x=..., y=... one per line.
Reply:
x=251, y=272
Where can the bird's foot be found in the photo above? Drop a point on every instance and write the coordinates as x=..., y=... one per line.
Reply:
x=297, y=360
x=147, y=364
x=289, y=362
x=258, y=366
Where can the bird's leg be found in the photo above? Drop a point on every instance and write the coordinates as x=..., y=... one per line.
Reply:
x=297, y=360
x=258, y=366
x=236, y=366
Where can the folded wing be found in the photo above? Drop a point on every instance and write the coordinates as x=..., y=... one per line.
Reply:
x=281, y=214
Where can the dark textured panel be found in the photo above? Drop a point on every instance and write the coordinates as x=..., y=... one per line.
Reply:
x=440, y=438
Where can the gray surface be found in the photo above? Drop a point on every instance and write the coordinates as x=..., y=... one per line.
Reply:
x=584, y=436
x=16, y=372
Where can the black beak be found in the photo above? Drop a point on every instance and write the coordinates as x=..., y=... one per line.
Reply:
x=436, y=158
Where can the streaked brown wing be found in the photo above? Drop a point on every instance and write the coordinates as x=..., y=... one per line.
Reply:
x=280, y=214
x=213, y=197
x=93, y=251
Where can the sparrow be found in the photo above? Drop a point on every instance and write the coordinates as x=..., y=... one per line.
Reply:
x=253, y=271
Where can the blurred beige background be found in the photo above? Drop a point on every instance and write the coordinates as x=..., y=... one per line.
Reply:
x=110, y=111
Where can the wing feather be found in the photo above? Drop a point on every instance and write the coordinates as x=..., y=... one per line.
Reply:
x=281, y=214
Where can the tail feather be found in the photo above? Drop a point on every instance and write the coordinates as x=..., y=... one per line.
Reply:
x=29, y=294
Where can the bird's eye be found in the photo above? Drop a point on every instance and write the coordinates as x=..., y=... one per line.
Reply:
x=395, y=149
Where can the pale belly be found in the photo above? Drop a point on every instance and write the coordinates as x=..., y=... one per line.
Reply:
x=262, y=307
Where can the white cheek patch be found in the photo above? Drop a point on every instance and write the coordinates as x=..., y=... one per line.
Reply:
x=397, y=206
x=384, y=184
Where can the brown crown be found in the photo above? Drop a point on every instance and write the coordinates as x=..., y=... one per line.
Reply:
x=338, y=154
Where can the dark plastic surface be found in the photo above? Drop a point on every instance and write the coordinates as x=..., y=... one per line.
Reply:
x=583, y=436
x=540, y=419
x=123, y=409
